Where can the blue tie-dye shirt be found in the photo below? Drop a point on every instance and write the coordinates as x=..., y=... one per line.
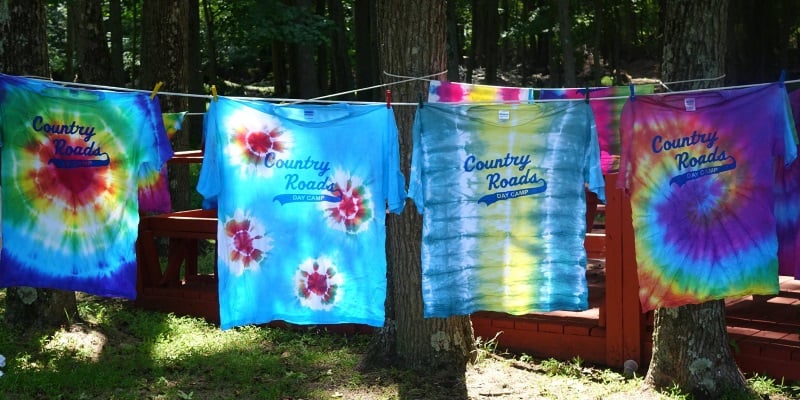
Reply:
x=302, y=194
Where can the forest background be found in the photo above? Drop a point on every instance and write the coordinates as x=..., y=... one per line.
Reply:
x=303, y=49
x=309, y=48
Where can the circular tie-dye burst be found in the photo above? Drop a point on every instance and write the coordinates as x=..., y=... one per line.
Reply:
x=705, y=238
x=255, y=136
x=246, y=242
x=353, y=212
x=65, y=183
x=318, y=284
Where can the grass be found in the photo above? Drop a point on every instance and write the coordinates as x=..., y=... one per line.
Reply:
x=117, y=351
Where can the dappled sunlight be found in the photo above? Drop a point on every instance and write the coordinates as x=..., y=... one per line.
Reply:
x=78, y=341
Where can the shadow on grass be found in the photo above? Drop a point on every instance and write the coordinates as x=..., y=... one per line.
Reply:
x=121, y=352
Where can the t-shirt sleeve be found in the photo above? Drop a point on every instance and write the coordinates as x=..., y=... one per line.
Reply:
x=626, y=144
x=593, y=172
x=789, y=131
x=208, y=183
x=154, y=125
x=415, y=186
x=393, y=176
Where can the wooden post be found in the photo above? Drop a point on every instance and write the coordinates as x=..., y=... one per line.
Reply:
x=614, y=312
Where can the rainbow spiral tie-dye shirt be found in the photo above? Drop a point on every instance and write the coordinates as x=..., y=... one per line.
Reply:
x=607, y=103
x=70, y=163
x=502, y=193
x=699, y=168
x=302, y=194
x=154, y=183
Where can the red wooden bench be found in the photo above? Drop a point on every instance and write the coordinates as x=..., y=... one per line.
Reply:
x=611, y=331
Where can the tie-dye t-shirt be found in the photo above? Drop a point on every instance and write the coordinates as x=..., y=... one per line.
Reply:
x=302, y=193
x=501, y=190
x=699, y=168
x=153, y=183
x=455, y=92
x=606, y=114
x=70, y=163
x=787, y=206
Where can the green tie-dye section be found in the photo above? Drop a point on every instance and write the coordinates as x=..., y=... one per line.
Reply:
x=70, y=161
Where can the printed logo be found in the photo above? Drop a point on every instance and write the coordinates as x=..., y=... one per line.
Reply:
x=504, y=187
x=76, y=149
x=696, y=165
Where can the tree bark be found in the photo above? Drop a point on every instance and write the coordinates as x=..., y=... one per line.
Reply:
x=94, y=57
x=366, y=49
x=567, y=47
x=197, y=105
x=211, y=41
x=280, y=72
x=342, y=69
x=485, y=35
x=411, y=35
x=165, y=58
x=303, y=79
x=453, y=43
x=115, y=29
x=23, y=51
x=690, y=343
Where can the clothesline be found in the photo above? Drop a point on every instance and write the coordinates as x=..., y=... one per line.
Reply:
x=322, y=99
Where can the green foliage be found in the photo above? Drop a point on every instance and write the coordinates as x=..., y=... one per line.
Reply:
x=767, y=387
x=555, y=367
x=248, y=29
x=484, y=348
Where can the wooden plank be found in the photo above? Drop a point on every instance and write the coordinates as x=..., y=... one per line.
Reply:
x=148, y=268
x=546, y=344
x=614, y=311
x=595, y=244
x=633, y=320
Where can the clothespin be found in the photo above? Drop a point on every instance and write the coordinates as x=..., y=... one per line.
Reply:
x=782, y=78
x=214, y=92
x=587, y=95
x=633, y=92
x=388, y=98
x=419, y=96
x=155, y=90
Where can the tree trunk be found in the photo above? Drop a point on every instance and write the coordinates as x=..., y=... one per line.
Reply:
x=342, y=69
x=492, y=41
x=485, y=34
x=197, y=105
x=115, y=28
x=69, y=51
x=366, y=49
x=165, y=44
x=567, y=47
x=326, y=79
x=94, y=58
x=23, y=51
x=280, y=72
x=453, y=43
x=303, y=79
x=690, y=343
x=411, y=35
x=211, y=42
